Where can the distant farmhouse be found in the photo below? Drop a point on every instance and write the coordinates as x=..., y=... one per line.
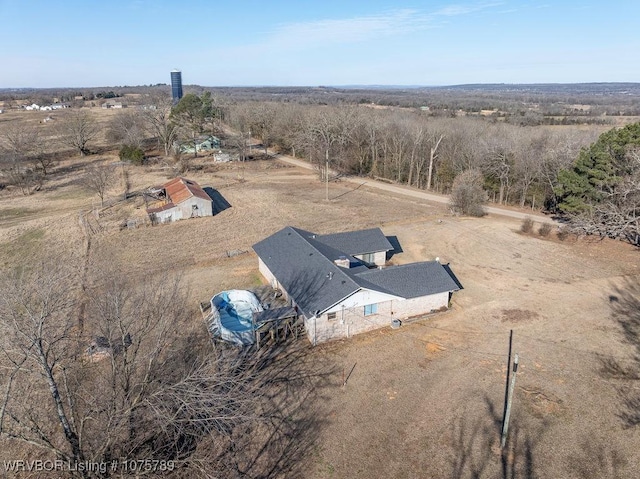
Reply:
x=339, y=284
x=113, y=104
x=207, y=143
x=179, y=199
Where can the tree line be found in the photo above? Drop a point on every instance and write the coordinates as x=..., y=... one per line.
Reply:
x=520, y=165
x=592, y=181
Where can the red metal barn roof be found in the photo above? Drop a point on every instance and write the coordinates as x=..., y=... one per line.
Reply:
x=181, y=189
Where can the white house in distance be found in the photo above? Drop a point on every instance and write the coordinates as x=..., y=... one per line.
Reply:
x=339, y=283
x=113, y=104
x=179, y=199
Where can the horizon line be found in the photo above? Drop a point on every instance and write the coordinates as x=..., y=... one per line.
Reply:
x=346, y=85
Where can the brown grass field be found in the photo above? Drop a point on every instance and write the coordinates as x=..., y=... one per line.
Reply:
x=423, y=401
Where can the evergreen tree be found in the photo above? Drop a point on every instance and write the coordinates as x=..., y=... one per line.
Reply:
x=598, y=170
x=601, y=193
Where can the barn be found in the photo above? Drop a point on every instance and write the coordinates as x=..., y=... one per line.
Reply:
x=179, y=199
x=340, y=285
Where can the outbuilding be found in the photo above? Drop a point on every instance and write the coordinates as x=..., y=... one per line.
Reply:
x=179, y=199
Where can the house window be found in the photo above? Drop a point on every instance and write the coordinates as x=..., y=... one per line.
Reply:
x=368, y=258
x=331, y=316
x=370, y=309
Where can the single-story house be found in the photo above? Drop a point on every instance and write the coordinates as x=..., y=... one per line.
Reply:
x=207, y=143
x=340, y=285
x=179, y=199
x=113, y=104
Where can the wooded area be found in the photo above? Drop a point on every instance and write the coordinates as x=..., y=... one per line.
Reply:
x=520, y=164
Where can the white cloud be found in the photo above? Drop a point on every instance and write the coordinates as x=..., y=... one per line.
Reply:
x=347, y=30
x=455, y=10
x=298, y=36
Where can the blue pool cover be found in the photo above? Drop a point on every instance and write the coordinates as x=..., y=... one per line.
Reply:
x=235, y=310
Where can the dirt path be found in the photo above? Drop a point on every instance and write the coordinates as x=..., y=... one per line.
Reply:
x=420, y=194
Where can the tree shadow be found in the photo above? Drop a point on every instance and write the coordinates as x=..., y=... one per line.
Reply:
x=476, y=442
x=70, y=174
x=595, y=460
x=219, y=202
x=290, y=380
x=624, y=302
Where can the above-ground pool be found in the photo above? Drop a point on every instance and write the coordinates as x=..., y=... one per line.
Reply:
x=234, y=317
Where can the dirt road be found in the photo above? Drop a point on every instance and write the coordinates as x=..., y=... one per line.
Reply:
x=414, y=193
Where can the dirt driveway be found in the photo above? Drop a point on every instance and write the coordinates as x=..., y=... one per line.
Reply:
x=416, y=193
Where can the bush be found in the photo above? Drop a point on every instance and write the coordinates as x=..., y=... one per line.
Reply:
x=545, y=229
x=527, y=225
x=563, y=233
x=132, y=154
x=467, y=194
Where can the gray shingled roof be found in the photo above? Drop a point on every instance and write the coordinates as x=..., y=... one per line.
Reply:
x=357, y=242
x=304, y=265
x=412, y=280
x=304, y=269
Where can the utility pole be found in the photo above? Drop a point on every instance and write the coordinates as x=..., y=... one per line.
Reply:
x=505, y=423
x=506, y=384
x=326, y=175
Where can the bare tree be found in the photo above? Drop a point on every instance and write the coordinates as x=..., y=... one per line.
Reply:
x=24, y=177
x=99, y=179
x=467, y=194
x=22, y=142
x=24, y=161
x=36, y=330
x=157, y=117
x=127, y=128
x=499, y=161
x=77, y=130
x=417, y=160
x=135, y=383
x=435, y=140
x=263, y=122
x=527, y=167
x=397, y=149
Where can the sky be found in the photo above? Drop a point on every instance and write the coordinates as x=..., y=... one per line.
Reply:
x=93, y=43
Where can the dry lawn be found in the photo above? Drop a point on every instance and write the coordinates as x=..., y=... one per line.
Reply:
x=421, y=401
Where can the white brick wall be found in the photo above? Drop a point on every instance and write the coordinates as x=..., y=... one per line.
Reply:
x=351, y=321
x=379, y=258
